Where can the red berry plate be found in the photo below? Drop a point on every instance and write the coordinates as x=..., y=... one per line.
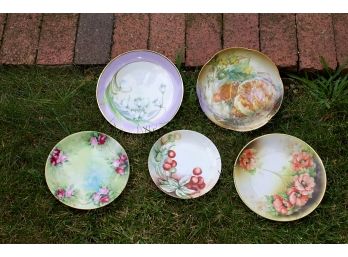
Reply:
x=280, y=177
x=184, y=164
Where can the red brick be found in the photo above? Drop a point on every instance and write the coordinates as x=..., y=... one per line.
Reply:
x=167, y=35
x=278, y=39
x=2, y=23
x=57, y=39
x=315, y=38
x=131, y=31
x=340, y=22
x=94, y=38
x=20, y=39
x=241, y=30
x=203, y=37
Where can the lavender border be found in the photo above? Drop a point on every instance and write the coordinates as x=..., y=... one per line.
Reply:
x=135, y=56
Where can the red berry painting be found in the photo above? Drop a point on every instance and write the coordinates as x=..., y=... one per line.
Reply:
x=181, y=168
x=197, y=171
x=171, y=153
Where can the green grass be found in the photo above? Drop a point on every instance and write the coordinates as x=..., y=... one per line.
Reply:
x=329, y=89
x=40, y=106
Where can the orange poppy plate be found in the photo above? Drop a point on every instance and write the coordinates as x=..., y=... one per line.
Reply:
x=280, y=177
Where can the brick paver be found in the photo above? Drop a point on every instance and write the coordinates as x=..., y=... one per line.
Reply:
x=241, y=30
x=315, y=38
x=291, y=41
x=203, y=37
x=167, y=35
x=131, y=31
x=278, y=39
x=2, y=24
x=340, y=22
x=94, y=38
x=57, y=39
x=20, y=39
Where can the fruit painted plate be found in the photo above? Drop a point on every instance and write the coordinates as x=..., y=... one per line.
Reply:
x=139, y=91
x=184, y=164
x=240, y=89
x=87, y=170
x=280, y=177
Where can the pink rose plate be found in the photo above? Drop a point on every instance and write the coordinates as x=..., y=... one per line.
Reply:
x=87, y=170
x=280, y=177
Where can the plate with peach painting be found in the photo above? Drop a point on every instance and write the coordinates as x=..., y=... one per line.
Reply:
x=240, y=89
x=87, y=170
x=184, y=164
x=280, y=177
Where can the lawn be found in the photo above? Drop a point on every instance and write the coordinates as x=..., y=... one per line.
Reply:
x=40, y=106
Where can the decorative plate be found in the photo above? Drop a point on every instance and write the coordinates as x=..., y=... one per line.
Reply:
x=184, y=164
x=139, y=91
x=87, y=170
x=240, y=89
x=280, y=177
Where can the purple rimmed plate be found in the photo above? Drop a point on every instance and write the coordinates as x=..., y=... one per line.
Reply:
x=139, y=91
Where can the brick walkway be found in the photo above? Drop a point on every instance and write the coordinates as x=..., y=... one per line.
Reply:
x=293, y=41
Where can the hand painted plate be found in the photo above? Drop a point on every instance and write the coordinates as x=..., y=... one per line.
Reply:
x=139, y=91
x=240, y=89
x=280, y=177
x=87, y=170
x=184, y=164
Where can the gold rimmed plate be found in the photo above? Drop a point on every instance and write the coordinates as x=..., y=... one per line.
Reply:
x=240, y=89
x=280, y=177
x=184, y=164
x=87, y=170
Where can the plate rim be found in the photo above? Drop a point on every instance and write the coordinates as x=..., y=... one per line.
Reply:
x=246, y=49
x=274, y=219
x=145, y=130
x=98, y=207
x=190, y=131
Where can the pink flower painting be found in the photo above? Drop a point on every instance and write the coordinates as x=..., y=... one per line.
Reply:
x=120, y=164
x=304, y=184
x=102, y=196
x=104, y=199
x=62, y=193
x=93, y=141
x=101, y=139
x=281, y=205
x=247, y=160
x=296, y=198
x=69, y=192
x=98, y=139
x=57, y=157
x=302, y=160
x=301, y=187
